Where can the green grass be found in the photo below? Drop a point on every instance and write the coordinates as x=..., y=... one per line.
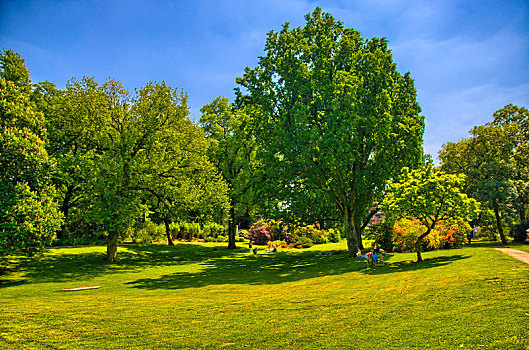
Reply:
x=191, y=296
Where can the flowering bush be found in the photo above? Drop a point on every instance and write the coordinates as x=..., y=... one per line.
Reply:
x=258, y=233
x=406, y=232
x=403, y=234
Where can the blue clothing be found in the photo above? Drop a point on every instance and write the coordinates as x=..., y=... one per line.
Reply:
x=375, y=256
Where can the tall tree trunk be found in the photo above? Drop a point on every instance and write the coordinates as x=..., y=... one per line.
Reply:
x=65, y=207
x=359, y=231
x=499, y=226
x=350, y=232
x=113, y=234
x=231, y=228
x=418, y=245
x=168, y=231
x=522, y=209
x=363, y=224
x=112, y=245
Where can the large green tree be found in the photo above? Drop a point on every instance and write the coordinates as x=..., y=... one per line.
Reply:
x=430, y=196
x=494, y=160
x=28, y=211
x=13, y=68
x=336, y=120
x=143, y=155
x=178, y=180
x=516, y=119
x=232, y=149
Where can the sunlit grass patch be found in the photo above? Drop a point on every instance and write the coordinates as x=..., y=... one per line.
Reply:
x=192, y=296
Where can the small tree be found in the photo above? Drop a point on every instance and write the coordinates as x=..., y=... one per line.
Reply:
x=232, y=150
x=430, y=196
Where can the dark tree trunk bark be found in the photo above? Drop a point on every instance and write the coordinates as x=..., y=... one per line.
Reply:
x=168, y=231
x=113, y=234
x=499, y=226
x=231, y=229
x=359, y=231
x=112, y=246
x=350, y=232
x=522, y=210
x=65, y=207
x=419, y=241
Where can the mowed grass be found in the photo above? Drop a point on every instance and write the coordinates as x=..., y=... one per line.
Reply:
x=191, y=296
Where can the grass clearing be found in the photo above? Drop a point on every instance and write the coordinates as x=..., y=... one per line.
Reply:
x=191, y=296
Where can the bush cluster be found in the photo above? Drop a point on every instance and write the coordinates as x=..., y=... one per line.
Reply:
x=264, y=231
x=189, y=231
x=402, y=235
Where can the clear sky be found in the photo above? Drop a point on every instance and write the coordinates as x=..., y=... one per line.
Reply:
x=468, y=58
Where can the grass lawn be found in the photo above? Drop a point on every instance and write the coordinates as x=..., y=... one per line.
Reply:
x=191, y=296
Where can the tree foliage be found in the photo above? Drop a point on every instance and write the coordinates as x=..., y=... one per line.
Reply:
x=430, y=196
x=143, y=155
x=13, y=68
x=28, y=211
x=232, y=149
x=494, y=159
x=336, y=119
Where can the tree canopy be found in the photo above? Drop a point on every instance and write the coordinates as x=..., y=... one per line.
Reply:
x=431, y=196
x=494, y=160
x=233, y=150
x=29, y=215
x=336, y=119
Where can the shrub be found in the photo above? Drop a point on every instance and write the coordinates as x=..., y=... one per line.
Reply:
x=334, y=235
x=258, y=233
x=384, y=235
x=212, y=229
x=146, y=232
x=243, y=234
x=448, y=234
x=275, y=229
x=309, y=231
x=305, y=242
x=403, y=234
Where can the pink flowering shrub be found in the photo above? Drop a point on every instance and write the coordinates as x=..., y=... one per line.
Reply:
x=258, y=233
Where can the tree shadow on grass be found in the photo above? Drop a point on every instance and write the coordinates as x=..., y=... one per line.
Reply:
x=404, y=266
x=212, y=266
x=274, y=269
x=61, y=265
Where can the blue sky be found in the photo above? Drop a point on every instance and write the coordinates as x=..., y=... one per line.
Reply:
x=468, y=58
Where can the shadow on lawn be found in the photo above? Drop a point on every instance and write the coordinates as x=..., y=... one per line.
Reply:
x=59, y=265
x=402, y=266
x=276, y=268
x=215, y=267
